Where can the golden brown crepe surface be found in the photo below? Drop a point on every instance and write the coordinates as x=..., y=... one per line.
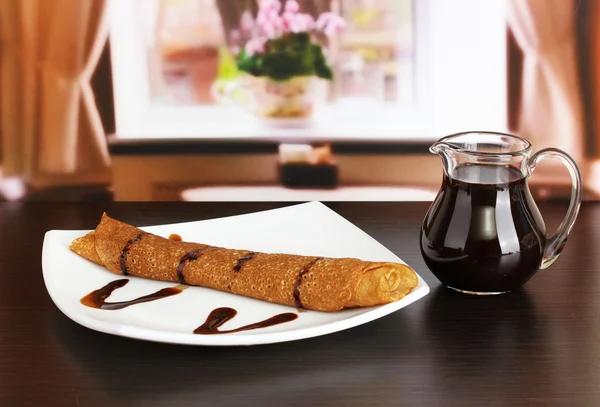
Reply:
x=322, y=284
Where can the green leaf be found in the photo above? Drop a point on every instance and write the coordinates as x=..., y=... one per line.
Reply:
x=322, y=68
x=287, y=57
x=252, y=64
x=300, y=40
x=228, y=69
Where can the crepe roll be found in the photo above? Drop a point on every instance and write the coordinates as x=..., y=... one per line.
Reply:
x=309, y=282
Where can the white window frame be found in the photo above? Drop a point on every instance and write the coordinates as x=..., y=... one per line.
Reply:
x=461, y=84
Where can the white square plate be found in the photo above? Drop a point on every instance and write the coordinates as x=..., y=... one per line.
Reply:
x=306, y=229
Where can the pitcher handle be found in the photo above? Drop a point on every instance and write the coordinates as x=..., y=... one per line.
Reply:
x=556, y=243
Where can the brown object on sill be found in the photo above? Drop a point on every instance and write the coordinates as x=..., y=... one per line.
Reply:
x=308, y=175
x=314, y=167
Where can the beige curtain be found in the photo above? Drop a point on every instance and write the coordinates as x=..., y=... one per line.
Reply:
x=551, y=106
x=49, y=50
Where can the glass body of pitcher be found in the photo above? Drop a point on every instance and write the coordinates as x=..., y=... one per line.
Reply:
x=484, y=234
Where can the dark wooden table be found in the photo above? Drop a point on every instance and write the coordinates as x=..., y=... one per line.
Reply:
x=538, y=346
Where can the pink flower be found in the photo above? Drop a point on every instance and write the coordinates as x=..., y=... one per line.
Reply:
x=334, y=28
x=268, y=5
x=323, y=20
x=291, y=22
x=272, y=29
x=268, y=30
x=266, y=17
x=309, y=22
x=330, y=23
x=269, y=23
x=297, y=23
x=255, y=46
x=235, y=35
x=292, y=6
x=247, y=22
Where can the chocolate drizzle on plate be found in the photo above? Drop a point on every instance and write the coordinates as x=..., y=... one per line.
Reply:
x=243, y=260
x=304, y=272
x=189, y=256
x=125, y=252
x=220, y=316
x=97, y=299
x=217, y=318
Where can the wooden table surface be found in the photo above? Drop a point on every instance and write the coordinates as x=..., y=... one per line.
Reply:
x=538, y=346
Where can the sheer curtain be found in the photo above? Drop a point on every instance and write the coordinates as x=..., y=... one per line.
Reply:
x=551, y=104
x=51, y=127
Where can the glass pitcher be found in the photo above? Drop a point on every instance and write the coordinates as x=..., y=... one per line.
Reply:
x=484, y=234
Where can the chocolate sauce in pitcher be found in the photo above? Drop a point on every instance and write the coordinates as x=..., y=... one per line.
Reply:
x=483, y=232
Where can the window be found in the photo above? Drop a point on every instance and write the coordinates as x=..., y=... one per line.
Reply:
x=189, y=42
x=403, y=69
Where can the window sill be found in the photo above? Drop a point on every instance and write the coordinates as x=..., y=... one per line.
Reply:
x=352, y=127
x=343, y=122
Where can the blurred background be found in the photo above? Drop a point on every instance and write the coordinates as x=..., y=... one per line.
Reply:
x=115, y=100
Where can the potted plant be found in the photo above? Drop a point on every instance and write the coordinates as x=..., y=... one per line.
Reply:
x=282, y=62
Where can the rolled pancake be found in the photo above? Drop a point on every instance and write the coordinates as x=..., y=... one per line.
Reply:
x=310, y=282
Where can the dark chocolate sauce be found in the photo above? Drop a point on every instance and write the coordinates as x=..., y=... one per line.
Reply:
x=125, y=252
x=97, y=299
x=304, y=271
x=189, y=256
x=175, y=237
x=483, y=232
x=222, y=315
x=243, y=260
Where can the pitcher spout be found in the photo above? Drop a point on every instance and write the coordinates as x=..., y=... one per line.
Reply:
x=444, y=150
x=440, y=148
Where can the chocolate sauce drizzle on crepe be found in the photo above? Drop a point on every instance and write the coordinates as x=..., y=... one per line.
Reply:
x=304, y=272
x=97, y=299
x=125, y=252
x=189, y=256
x=220, y=316
x=243, y=260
